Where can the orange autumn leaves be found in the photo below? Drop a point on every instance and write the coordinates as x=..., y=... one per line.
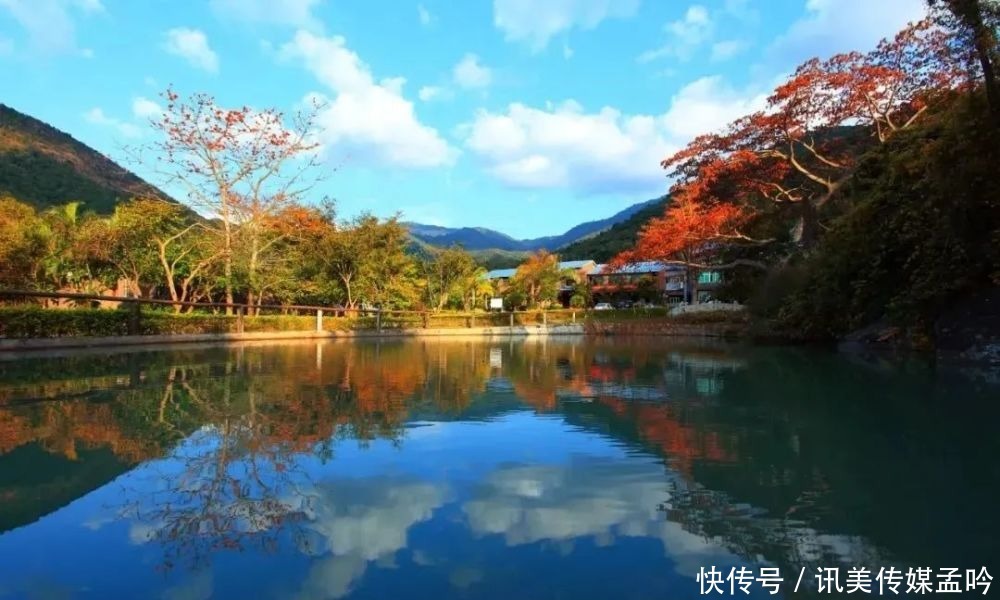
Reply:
x=683, y=232
x=803, y=146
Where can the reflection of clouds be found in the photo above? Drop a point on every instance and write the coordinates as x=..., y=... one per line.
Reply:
x=354, y=522
x=599, y=498
x=345, y=523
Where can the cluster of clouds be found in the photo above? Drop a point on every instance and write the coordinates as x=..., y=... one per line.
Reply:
x=371, y=119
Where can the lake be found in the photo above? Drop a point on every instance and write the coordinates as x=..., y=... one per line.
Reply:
x=573, y=468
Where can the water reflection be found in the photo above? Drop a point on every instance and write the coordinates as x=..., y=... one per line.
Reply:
x=480, y=469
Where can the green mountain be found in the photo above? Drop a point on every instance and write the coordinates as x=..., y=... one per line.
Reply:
x=482, y=238
x=609, y=242
x=44, y=167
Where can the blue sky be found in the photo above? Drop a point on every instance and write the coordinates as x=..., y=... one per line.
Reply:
x=526, y=116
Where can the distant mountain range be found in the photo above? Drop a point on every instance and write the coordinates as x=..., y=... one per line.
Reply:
x=482, y=239
x=43, y=166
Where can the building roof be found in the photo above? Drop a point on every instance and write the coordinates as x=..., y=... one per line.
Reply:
x=501, y=273
x=566, y=264
x=634, y=269
x=574, y=264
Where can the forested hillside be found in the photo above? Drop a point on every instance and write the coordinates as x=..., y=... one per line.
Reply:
x=45, y=167
x=606, y=244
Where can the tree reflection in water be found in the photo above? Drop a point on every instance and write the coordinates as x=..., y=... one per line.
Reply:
x=794, y=458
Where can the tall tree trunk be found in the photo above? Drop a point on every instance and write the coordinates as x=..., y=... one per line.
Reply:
x=806, y=231
x=983, y=49
x=984, y=39
x=168, y=274
x=227, y=271
x=347, y=287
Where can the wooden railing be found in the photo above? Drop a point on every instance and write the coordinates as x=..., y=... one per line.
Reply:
x=242, y=313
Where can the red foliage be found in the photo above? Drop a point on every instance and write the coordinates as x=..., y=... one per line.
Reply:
x=801, y=148
x=687, y=231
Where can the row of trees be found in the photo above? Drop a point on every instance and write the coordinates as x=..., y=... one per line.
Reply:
x=774, y=176
x=154, y=248
x=250, y=229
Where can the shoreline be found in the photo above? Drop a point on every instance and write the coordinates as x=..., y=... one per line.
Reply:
x=714, y=330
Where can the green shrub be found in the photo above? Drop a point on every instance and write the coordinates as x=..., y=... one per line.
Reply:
x=32, y=321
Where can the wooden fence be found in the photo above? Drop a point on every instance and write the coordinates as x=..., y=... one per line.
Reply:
x=241, y=317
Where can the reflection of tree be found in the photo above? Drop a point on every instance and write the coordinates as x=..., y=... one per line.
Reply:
x=233, y=429
x=773, y=454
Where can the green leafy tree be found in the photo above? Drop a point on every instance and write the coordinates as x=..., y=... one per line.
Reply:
x=538, y=278
x=73, y=256
x=22, y=243
x=451, y=277
x=388, y=276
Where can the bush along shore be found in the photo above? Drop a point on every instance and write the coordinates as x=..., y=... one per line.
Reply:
x=32, y=322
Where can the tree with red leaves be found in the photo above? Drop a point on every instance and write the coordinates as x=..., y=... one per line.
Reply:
x=803, y=146
x=687, y=235
x=239, y=167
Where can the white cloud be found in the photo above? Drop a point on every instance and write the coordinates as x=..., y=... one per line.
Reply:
x=706, y=105
x=534, y=23
x=565, y=147
x=425, y=16
x=6, y=46
x=684, y=35
x=192, y=45
x=144, y=108
x=470, y=74
x=430, y=93
x=368, y=121
x=96, y=116
x=727, y=49
x=295, y=13
x=49, y=24
x=832, y=26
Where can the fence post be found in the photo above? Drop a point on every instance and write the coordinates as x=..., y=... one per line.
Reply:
x=319, y=320
x=573, y=315
x=426, y=323
x=239, y=319
x=512, y=319
x=134, y=316
x=545, y=318
x=378, y=320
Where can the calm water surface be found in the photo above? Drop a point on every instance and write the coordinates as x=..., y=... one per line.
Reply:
x=475, y=469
